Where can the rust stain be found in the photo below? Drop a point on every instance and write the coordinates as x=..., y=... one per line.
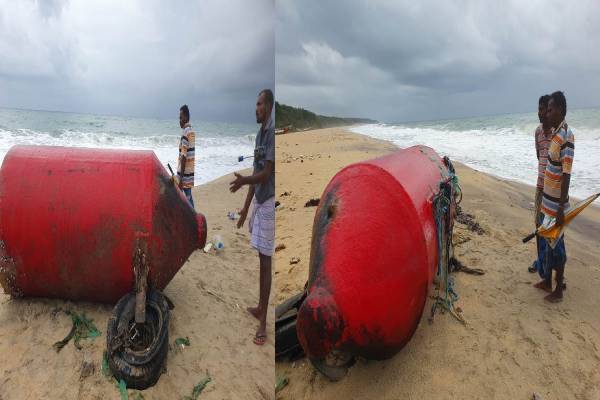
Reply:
x=8, y=273
x=140, y=271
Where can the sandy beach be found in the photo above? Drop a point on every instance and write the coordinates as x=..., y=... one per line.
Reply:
x=514, y=345
x=210, y=293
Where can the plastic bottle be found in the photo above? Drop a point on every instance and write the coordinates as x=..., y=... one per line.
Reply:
x=218, y=243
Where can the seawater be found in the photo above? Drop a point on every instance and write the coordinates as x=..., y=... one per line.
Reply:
x=501, y=145
x=218, y=145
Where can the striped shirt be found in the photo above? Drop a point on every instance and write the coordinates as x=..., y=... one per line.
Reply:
x=560, y=161
x=187, y=149
x=542, y=142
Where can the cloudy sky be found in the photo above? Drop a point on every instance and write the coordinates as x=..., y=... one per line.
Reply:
x=137, y=57
x=411, y=60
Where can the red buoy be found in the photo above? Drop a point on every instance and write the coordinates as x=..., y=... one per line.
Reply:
x=72, y=220
x=374, y=255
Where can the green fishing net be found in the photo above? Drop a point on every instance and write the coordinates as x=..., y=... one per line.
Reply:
x=82, y=328
x=198, y=389
x=182, y=341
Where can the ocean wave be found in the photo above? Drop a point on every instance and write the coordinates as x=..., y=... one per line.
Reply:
x=507, y=152
x=215, y=156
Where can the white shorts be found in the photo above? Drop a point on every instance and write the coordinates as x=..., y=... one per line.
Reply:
x=262, y=226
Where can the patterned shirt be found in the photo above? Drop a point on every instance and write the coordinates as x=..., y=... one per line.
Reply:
x=264, y=150
x=187, y=149
x=542, y=142
x=560, y=161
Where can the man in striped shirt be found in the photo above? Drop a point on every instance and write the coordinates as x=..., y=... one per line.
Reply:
x=543, y=134
x=186, y=161
x=555, y=199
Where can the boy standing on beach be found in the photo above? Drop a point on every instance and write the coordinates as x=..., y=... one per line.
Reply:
x=555, y=198
x=261, y=193
x=186, y=162
x=543, y=134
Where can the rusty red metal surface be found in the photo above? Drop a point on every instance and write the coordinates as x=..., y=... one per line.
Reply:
x=71, y=220
x=373, y=257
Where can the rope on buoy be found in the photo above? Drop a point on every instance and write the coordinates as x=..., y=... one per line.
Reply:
x=442, y=205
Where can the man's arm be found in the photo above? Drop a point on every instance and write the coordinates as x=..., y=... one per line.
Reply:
x=184, y=148
x=182, y=161
x=567, y=152
x=265, y=173
x=244, y=211
x=254, y=179
x=537, y=145
x=564, y=195
x=262, y=176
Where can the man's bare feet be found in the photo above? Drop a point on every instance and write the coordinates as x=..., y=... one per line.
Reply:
x=544, y=286
x=261, y=337
x=254, y=311
x=554, y=297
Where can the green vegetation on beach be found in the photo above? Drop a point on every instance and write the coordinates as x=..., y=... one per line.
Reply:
x=299, y=119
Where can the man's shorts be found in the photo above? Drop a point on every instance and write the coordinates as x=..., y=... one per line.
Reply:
x=537, y=207
x=540, y=262
x=557, y=256
x=188, y=196
x=262, y=226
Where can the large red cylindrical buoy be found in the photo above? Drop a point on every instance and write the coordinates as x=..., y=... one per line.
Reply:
x=374, y=255
x=72, y=220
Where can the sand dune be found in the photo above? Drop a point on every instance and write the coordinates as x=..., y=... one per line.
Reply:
x=515, y=344
x=210, y=294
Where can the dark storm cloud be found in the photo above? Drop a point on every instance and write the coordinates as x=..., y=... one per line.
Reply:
x=407, y=60
x=137, y=57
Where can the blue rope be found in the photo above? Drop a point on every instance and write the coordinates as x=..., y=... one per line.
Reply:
x=441, y=208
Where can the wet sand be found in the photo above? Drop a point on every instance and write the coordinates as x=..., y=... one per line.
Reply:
x=515, y=343
x=210, y=293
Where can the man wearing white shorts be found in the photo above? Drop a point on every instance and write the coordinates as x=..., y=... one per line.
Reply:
x=261, y=194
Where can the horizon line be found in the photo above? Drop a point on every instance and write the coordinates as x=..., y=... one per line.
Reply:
x=112, y=115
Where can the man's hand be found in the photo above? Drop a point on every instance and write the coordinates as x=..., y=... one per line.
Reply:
x=237, y=183
x=564, y=196
x=243, y=214
x=560, y=216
